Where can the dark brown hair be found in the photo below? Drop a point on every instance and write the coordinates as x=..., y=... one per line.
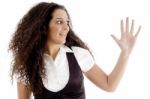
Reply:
x=28, y=44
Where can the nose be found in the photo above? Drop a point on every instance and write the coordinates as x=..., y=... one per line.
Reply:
x=66, y=27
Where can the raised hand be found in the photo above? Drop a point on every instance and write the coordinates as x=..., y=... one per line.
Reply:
x=128, y=36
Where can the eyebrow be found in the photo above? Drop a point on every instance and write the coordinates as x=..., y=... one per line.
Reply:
x=62, y=19
x=59, y=18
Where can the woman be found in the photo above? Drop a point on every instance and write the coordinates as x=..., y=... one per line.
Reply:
x=49, y=59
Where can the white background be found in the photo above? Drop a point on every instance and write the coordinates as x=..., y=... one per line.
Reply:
x=93, y=21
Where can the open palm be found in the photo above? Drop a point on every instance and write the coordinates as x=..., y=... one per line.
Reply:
x=128, y=36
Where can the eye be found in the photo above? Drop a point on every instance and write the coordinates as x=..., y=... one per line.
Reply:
x=59, y=22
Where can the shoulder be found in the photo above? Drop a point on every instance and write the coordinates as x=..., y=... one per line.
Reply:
x=75, y=49
x=84, y=58
x=79, y=50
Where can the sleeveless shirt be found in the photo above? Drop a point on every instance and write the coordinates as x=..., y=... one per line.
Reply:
x=75, y=86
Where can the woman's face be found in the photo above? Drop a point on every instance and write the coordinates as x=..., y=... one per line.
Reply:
x=58, y=27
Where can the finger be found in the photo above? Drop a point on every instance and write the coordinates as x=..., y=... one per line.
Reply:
x=115, y=39
x=127, y=25
x=137, y=33
x=122, y=27
x=132, y=27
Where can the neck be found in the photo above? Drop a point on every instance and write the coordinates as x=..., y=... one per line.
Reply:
x=53, y=49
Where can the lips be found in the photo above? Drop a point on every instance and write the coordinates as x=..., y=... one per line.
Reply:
x=62, y=34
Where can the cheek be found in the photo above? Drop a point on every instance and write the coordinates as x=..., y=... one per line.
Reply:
x=53, y=29
x=53, y=32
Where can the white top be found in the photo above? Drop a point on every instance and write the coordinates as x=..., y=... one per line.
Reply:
x=57, y=70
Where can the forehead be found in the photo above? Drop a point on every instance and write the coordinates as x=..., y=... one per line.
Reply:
x=60, y=13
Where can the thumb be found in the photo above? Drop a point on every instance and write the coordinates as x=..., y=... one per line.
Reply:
x=116, y=39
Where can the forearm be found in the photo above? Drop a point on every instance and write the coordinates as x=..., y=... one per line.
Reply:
x=118, y=71
x=126, y=44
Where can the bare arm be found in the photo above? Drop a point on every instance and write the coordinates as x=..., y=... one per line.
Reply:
x=23, y=91
x=126, y=43
x=104, y=81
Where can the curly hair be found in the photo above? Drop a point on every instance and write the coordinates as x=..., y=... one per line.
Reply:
x=28, y=44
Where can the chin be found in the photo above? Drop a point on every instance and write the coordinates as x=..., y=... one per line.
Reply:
x=64, y=41
x=61, y=42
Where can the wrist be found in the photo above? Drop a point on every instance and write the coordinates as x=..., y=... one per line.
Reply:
x=125, y=53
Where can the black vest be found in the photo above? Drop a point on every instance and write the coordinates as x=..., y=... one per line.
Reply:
x=75, y=86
